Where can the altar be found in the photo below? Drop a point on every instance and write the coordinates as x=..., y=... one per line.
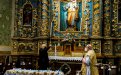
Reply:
x=59, y=24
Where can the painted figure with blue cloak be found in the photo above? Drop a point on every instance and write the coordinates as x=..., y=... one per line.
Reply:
x=72, y=13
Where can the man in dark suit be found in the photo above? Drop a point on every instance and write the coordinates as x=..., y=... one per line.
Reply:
x=43, y=57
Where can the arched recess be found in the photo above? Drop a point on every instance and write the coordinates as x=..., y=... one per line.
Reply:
x=27, y=14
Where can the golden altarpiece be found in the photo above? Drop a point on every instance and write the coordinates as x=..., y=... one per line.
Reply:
x=67, y=26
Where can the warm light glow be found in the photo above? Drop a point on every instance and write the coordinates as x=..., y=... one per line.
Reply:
x=73, y=0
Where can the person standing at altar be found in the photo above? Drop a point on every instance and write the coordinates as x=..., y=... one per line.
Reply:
x=89, y=62
x=43, y=57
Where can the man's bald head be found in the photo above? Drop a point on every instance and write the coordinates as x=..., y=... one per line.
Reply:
x=88, y=47
x=43, y=46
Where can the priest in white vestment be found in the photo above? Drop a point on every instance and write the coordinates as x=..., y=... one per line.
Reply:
x=89, y=62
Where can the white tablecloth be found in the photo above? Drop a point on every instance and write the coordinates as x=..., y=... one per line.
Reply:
x=65, y=58
x=32, y=72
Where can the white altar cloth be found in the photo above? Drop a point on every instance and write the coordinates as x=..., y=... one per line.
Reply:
x=65, y=58
x=32, y=72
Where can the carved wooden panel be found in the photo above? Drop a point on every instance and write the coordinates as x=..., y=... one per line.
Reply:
x=24, y=47
x=96, y=18
x=117, y=47
x=107, y=47
x=107, y=15
x=96, y=46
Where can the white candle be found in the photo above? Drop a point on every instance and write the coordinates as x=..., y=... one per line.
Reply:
x=81, y=24
x=50, y=32
x=86, y=26
x=50, y=29
x=55, y=49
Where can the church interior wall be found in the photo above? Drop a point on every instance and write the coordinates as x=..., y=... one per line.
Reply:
x=30, y=23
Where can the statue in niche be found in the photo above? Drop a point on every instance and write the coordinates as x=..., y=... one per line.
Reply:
x=27, y=14
x=72, y=13
x=119, y=11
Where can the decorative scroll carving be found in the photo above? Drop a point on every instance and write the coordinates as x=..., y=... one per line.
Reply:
x=96, y=18
x=107, y=15
x=116, y=27
x=114, y=19
x=97, y=46
x=24, y=47
x=117, y=47
x=56, y=17
x=86, y=17
x=107, y=47
x=45, y=21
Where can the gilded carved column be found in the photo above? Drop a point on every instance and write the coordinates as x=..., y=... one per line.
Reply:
x=39, y=18
x=83, y=28
x=114, y=19
x=96, y=18
x=86, y=26
x=107, y=18
x=44, y=20
x=56, y=15
x=86, y=17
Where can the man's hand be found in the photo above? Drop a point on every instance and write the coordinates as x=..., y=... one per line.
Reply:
x=83, y=60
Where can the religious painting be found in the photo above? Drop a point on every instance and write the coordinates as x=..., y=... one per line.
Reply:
x=27, y=14
x=70, y=15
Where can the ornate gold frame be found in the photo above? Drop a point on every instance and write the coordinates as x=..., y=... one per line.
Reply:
x=27, y=2
x=96, y=11
x=56, y=3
